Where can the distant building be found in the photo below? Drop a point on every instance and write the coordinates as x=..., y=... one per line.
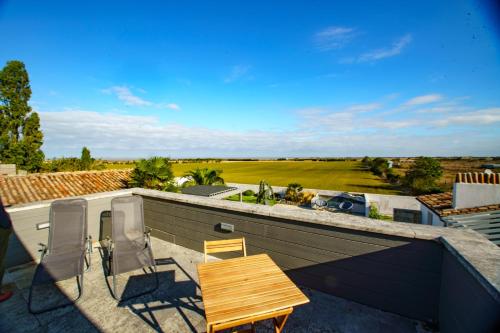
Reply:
x=472, y=193
x=7, y=169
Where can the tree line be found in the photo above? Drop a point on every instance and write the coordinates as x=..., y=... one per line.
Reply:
x=420, y=178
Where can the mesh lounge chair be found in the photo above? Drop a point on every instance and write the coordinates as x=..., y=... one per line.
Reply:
x=68, y=245
x=130, y=246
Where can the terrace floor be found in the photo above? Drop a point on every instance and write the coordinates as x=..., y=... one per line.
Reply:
x=176, y=306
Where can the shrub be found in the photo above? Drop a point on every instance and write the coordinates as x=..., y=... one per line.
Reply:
x=248, y=193
x=292, y=192
x=374, y=213
x=306, y=197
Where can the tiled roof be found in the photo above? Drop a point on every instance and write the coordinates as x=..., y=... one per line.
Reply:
x=442, y=204
x=16, y=190
x=478, y=178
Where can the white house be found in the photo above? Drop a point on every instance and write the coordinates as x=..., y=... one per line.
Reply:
x=472, y=193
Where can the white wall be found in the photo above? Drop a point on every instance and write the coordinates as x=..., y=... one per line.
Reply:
x=474, y=195
x=429, y=217
x=386, y=203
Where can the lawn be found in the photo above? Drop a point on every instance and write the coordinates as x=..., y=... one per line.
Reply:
x=338, y=175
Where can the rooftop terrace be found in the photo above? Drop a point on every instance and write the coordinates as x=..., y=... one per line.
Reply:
x=360, y=274
x=175, y=307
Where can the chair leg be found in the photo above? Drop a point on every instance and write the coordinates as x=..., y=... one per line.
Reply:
x=89, y=252
x=279, y=323
x=114, y=288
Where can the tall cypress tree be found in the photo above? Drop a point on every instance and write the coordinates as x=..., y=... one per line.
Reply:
x=20, y=134
x=86, y=160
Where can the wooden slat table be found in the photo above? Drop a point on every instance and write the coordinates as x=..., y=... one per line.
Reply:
x=245, y=290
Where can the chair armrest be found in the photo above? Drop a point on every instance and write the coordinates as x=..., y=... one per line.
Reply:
x=147, y=235
x=43, y=250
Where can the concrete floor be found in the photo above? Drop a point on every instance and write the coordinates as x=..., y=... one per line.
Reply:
x=176, y=306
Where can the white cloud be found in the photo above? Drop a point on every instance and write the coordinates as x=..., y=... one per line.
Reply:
x=355, y=130
x=334, y=37
x=378, y=54
x=237, y=72
x=114, y=134
x=171, y=106
x=425, y=99
x=479, y=117
x=125, y=95
x=364, y=107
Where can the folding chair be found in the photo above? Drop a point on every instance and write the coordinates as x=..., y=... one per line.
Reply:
x=130, y=245
x=226, y=245
x=68, y=245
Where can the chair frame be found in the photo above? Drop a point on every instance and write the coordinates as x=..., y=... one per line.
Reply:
x=225, y=245
x=44, y=250
x=110, y=271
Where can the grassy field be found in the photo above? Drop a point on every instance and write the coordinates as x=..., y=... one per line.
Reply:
x=340, y=175
x=119, y=166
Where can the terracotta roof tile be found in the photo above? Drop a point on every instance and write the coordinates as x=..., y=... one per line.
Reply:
x=442, y=204
x=16, y=190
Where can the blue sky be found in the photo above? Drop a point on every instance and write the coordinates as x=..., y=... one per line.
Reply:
x=261, y=78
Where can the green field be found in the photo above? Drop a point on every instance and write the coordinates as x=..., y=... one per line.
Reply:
x=339, y=175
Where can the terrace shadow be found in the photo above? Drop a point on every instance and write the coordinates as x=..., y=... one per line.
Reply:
x=14, y=313
x=163, y=304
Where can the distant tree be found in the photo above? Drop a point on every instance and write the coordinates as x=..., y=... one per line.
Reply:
x=86, y=160
x=366, y=161
x=204, y=176
x=153, y=173
x=423, y=175
x=379, y=166
x=292, y=192
x=32, y=141
x=20, y=134
x=265, y=192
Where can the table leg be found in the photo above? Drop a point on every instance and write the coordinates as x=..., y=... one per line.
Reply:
x=279, y=323
x=209, y=328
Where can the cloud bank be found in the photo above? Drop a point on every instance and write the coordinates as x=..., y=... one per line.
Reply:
x=354, y=130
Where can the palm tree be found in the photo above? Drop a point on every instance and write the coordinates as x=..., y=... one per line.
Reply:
x=292, y=192
x=205, y=176
x=153, y=173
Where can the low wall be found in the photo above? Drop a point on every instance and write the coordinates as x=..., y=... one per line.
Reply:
x=465, y=306
x=396, y=274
